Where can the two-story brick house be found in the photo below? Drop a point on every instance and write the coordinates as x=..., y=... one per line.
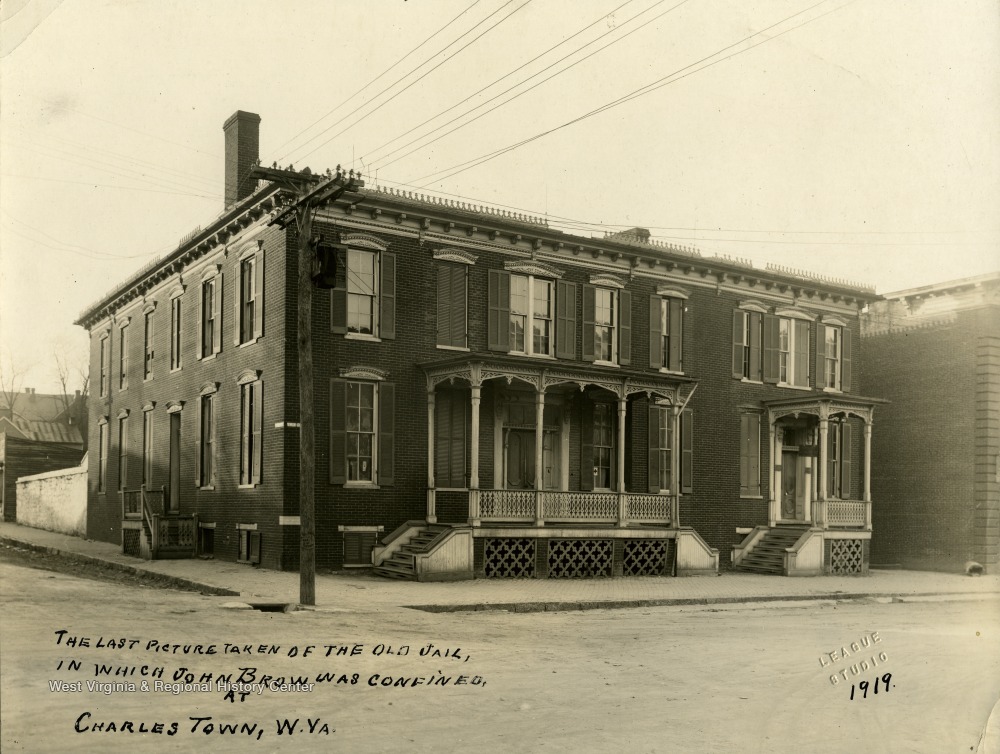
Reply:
x=494, y=397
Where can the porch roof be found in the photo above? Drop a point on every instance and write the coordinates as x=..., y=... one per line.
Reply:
x=477, y=367
x=823, y=404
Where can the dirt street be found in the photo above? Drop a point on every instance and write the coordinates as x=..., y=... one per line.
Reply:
x=649, y=680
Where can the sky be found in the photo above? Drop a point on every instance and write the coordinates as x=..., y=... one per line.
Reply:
x=855, y=138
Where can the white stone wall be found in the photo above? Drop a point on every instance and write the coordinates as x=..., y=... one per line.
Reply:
x=55, y=500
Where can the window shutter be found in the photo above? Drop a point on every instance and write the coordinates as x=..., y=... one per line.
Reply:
x=772, y=348
x=246, y=434
x=586, y=443
x=338, y=435
x=238, y=289
x=499, y=311
x=755, y=345
x=676, y=311
x=459, y=306
x=820, y=356
x=217, y=315
x=589, y=310
x=744, y=454
x=739, y=331
x=566, y=321
x=444, y=303
x=624, y=327
x=655, y=333
x=386, y=439
x=258, y=294
x=338, y=295
x=458, y=443
x=800, y=346
x=845, y=461
x=687, y=451
x=255, y=547
x=258, y=421
x=753, y=453
x=442, y=438
x=654, y=448
x=197, y=455
x=832, y=436
x=845, y=360
x=387, y=297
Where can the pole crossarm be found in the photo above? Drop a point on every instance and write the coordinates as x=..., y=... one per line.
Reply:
x=310, y=190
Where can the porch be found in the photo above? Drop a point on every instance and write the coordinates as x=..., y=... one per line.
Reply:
x=151, y=532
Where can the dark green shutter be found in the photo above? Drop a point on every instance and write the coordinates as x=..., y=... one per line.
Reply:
x=845, y=461
x=387, y=297
x=338, y=435
x=655, y=333
x=386, y=434
x=338, y=295
x=687, y=451
x=624, y=328
x=739, y=331
x=845, y=362
x=498, y=324
x=676, y=325
x=800, y=346
x=772, y=348
x=566, y=321
x=589, y=309
x=586, y=443
x=653, y=436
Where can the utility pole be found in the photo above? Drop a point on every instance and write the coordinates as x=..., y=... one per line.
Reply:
x=311, y=191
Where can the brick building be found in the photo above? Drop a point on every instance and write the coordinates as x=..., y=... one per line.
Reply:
x=934, y=352
x=494, y=397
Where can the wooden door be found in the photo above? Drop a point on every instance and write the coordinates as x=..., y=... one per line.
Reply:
x=175, y=463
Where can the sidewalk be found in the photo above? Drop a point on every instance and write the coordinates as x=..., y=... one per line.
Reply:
x=363, y=592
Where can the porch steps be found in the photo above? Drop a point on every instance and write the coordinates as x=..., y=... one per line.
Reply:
x=768, y=555
x=400, y=565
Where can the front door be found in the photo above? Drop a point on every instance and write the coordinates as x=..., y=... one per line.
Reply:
x=519, y=460
x=792, y=502
x=174, y=492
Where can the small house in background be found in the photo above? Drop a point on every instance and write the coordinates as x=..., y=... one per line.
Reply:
x=934, y=352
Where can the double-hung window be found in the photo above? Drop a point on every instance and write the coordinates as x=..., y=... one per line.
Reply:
x=175, y=333
x=361, y=431
x=833, y=355
x=249, y=314
x=531, y=312
x=838, y=459
x=147, y=340
x=122, y=452
x=123, y=356
x=211, y=316
x=363, y=299
x=607, y=321
x=747, y=335
x=104, y=366
x=207, y=437
x=147, y=446
x=666, y=329
x=772, y=348
x=604, y=445
x=531, y=309
x=247, y=299
x=793, y=352
x=605, y=330
x=664, y=444
x=102, y=454
x=251, y=417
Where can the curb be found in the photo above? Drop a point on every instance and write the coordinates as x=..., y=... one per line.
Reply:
x=175, y=581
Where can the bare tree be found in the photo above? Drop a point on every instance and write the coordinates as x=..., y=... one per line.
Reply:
x=11, y=382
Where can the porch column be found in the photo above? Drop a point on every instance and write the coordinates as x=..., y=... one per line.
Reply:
x=824, y=424
x=622, y=409
x=539, y=440
x=868, y=461
x=774, y=478
x=675, y=465
x=474, y=439
x=431, y=513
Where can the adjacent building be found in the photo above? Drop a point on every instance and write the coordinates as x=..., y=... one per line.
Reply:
x=934, y=351
x=494, y=397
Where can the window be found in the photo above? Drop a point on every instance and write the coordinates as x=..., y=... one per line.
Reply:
x=833, y=355
x=363, y=301
x=147, y=330
x=250, y=298
x=452, y=305
x=147, y=448
x=746, y=345
x=123, y=357
x=359, y=542
x=175, y=333
x=793, y=352
x=211, y=317
x=206, y=451
x=249, y=544
x=604, y=445
x=607, y=325
x=105, y=361
x=530, y=315
x=251, y=413
x=451, y=408
x=102, y=455
x=122, y=452
x=361, y=432
x=666, y=327
x=664, y=445
x=838, y=459
x=750, y=455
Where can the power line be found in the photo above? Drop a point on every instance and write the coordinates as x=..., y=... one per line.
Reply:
x=344, y=102
x=108, y=185
x=422, y=76
x=497, y=81
x=661, y=82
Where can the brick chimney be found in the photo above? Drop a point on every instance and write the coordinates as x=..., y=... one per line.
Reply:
x=242, y=152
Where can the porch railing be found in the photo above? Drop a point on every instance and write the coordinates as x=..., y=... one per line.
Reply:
x=843, y=514
x=539, y=506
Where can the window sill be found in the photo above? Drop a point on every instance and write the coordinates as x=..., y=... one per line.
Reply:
x=793, y=387
x=208, y=488
x=360, y=486
x=209, y=357
x=174, y=370
x=606, y=364
x=253, y=486
x=122, y=388
x=748, y=381
x=148, y=379
x=453, y=348
x=664, y=370
x=751, y=497
x=836, y=391
x=525, y=355
x=362, y=336
x=246, y=343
